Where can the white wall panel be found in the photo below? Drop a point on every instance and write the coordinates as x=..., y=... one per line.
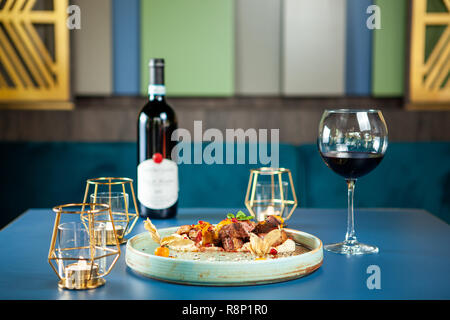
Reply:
x=313, y=47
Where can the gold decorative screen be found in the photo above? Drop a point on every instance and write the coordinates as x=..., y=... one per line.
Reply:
x=34, y=53
x=430, y=53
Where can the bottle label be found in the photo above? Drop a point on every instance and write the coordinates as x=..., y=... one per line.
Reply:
x=156, y=89
x=157, y=183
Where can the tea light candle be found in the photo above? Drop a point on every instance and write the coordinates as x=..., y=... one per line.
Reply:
x=104, y=234
x=265, y=213
x=110, y=239
x=79, y=275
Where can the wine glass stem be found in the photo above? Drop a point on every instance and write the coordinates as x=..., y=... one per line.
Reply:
x=350, y=237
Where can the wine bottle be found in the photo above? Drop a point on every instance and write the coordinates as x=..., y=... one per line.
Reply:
x=157, y=173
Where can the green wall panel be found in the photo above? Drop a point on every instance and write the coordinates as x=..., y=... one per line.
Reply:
x=196, y=38
x=389, y=55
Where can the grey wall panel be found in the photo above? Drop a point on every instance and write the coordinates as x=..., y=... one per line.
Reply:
x=313, y=47
x=92, y=49
x=258, y=33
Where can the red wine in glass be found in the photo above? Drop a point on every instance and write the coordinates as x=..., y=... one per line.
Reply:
x=352, y=164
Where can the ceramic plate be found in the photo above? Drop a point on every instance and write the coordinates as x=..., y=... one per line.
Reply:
x=223, y=268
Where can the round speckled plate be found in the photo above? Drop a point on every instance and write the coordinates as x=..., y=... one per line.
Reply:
x=223, y=268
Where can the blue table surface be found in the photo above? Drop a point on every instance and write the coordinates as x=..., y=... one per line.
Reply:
x=414, y=260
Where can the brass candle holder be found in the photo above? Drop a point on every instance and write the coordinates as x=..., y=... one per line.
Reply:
x=78, y=252
x=112, y=191
x=268, y=193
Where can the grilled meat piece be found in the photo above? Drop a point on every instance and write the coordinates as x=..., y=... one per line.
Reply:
x=232, y=244
x=270, y=223
x=248, y=226
x=233, y=230
x=193, y=234
x=199, y=237
x=233, y=235
x=184, y=229
x=227, y=244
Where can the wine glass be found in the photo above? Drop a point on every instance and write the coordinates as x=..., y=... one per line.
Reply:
x=352, y=143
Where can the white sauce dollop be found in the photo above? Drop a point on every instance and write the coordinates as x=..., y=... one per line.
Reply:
x=286, y=247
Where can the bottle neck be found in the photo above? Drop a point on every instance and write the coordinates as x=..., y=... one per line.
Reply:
x=156, y=92
x=156, y=87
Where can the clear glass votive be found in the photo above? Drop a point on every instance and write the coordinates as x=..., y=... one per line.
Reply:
x=76, y=264
x=119, y=204
x=268, y=199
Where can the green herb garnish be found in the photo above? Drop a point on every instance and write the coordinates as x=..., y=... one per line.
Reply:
x=241, y=216
x=230, y=216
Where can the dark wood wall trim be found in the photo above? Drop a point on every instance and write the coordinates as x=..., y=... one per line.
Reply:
x=114, y=118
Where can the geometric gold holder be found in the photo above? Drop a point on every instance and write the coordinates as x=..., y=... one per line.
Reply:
x=429, y=68
x=35, y=72
x=268, y=193
x=124, y=221
x=78, y=252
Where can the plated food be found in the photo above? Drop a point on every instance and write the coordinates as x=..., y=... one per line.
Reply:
x=233, y=234
x=234, y=252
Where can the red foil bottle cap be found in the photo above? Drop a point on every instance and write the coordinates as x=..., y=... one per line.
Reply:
x=157, y=157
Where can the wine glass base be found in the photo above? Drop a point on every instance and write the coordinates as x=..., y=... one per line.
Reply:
x=355, y=248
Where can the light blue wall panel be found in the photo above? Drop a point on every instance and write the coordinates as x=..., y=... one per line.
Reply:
x=126, y=43
x=358, y=70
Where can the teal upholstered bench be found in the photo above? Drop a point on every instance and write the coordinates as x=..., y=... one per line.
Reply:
x=412, y=175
